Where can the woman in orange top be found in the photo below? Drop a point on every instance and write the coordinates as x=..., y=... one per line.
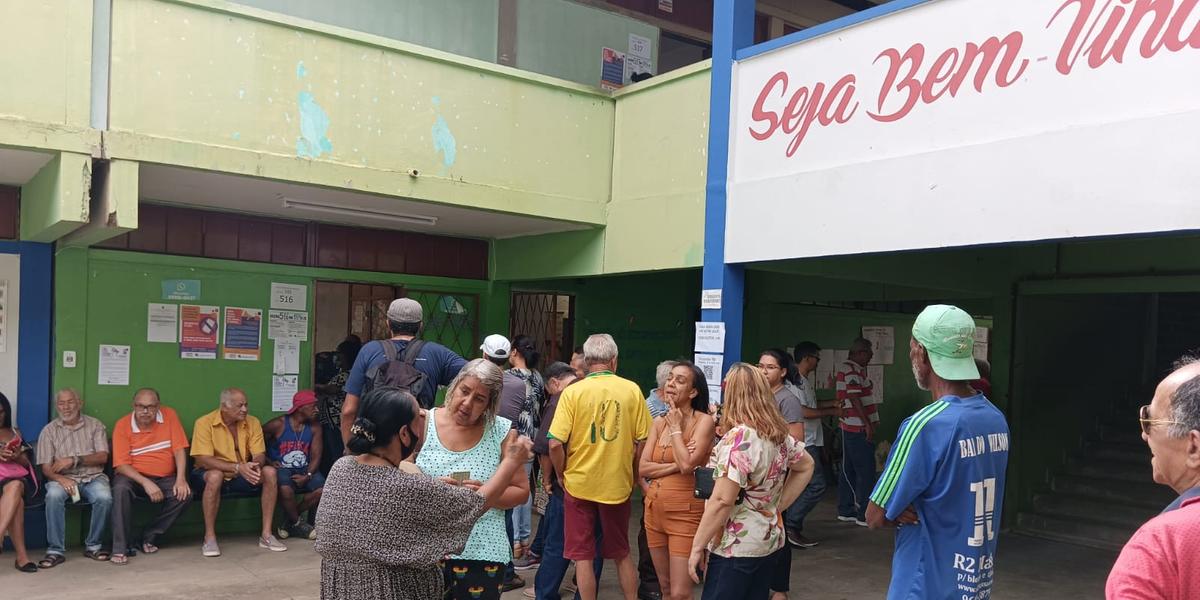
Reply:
x=679, y=442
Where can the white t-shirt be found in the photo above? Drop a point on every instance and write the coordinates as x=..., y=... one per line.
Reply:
x=814, y=432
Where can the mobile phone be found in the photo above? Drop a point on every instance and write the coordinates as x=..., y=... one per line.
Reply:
x=13, y=444
x=460, y=476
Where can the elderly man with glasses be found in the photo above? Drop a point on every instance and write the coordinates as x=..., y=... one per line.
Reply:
x=1162, y=560
x=149, y=461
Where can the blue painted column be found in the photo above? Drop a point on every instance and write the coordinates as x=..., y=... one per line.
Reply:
x=35, y=336
x=733, y=29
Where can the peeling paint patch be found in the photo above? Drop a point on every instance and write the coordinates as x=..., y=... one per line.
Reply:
x=314, y=125
x=237, y=135
x=443, y=139
x=300, y=70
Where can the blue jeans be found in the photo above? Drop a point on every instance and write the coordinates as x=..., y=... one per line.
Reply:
x=522, y=515
x=793, y=517
x=554, y=567
x=95, y=492
x=858, y=475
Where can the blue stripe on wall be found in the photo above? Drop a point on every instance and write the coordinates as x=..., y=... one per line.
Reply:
x=36, y=338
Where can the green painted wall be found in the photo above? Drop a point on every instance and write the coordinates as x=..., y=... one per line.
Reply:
x=463, y=27
x=651, y=316
x=563, y=39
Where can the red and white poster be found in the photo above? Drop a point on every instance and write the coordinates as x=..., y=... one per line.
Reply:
x=199, y=327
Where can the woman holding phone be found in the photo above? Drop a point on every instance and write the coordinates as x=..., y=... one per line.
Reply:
x=17, y=485
x=464, y=440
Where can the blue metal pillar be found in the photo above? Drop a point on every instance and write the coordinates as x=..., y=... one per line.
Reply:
x=733, y=29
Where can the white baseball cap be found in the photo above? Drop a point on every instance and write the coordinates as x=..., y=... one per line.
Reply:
x=496, y=346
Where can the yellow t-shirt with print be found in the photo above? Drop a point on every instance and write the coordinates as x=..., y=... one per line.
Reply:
x=600, y=420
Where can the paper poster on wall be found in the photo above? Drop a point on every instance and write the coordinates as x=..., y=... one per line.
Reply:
x=289, y=296
x=710, y=299
x=287, y=324
x=3, y=315
x=714, y=395
x=826, y=369
x=114, y=365
x=243, y=333
x=883, y=342
x=980, y=348
x=711, y=365
x=640, y=46
x=612, y=69
x=875, y=374
x=287, y=357
x=162, y=323
x=283, y=387
x=710, y=337
x=639, y=66
x=199, y=327
x=181, y=289
x=667, y=6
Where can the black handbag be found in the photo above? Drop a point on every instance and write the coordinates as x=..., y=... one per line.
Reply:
x=703, y=488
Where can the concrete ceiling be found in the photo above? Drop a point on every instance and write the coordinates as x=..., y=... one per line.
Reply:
x=17, y=167
x=234, y=193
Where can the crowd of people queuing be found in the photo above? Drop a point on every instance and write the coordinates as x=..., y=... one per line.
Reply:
x=423, y=501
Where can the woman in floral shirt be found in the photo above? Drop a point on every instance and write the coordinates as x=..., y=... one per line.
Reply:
x=758, y=470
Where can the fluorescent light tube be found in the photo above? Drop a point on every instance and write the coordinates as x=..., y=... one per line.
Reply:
x=347, y=211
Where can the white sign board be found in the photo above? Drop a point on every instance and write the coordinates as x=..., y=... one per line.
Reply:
x=710, y=337
x=710, y=299
x=710, y=364
x=883, y=344
x=966, y=122
x=289, y=296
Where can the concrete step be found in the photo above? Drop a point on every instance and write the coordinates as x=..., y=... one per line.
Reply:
x=1127, y=433
x=1138, y=454
x=1147, y=495
x=1072, y=506
x=1072, y=530
x=1111, y=469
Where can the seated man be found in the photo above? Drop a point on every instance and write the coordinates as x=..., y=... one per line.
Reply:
x=149, y=461
x=294, y=446
x=231, y=456
x=73, y=450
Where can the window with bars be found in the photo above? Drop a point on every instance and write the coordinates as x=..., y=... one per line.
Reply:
x=547, y=318
x=451, y=319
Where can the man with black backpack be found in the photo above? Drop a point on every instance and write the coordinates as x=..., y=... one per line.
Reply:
x=403, y=361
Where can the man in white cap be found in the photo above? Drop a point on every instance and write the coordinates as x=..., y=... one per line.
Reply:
x=944, y=481
x=496, y=348
x=402, y=361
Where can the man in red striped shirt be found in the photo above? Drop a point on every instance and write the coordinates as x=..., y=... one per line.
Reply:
x=859, y=418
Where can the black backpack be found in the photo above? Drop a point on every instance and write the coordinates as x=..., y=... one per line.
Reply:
x=399, y=371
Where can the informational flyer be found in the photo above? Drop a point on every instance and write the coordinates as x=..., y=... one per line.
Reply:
x=287, y=324
x=711, y=365
x=162, y=323
x=710, y=299
x=289, y=296
x=287, y=357
x=612, y=69
x=283, y=387
x=114, y=365
x=199, y=327
x=243, y=333
x=883, y=342
x=875, y=374
x=710, y=337
x=980, y=348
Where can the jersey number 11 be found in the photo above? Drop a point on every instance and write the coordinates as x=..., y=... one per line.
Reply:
x=985, y=508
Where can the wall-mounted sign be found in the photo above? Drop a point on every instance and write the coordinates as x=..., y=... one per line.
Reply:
x=967, y=122
x=181, y=289
x=199, y=327
x=289, y=296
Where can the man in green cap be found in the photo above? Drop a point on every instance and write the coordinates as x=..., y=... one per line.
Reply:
x=944, y=481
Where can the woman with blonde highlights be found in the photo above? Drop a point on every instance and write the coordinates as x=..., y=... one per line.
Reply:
x=758, y=469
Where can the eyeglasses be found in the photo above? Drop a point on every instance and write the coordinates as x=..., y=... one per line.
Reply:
x=768, y=367
x=1147, y=422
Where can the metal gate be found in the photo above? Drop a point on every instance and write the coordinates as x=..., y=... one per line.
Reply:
x=549, y=319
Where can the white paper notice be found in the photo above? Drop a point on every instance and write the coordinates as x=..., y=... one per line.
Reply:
x=287, y=356
x=289, y=296
x=710, y=299
x=826, y=369
x=283, y=387
x=883, y=342
x=639, y=46
x=711, y=365
x=162, y=323
x=875, y=374
x=286, y=324
x=714, y=395
x=980, y=350
x=114, y=365
x=710, y=337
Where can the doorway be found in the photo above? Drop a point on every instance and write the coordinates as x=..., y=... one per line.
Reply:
x=548, y=318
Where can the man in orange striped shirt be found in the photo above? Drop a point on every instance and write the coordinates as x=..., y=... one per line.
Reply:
x=149, y=457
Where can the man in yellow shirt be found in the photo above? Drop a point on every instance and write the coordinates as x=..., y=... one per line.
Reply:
x=595, y=441
x=231, y=456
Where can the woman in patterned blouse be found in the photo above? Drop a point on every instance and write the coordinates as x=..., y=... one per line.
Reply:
x=384, y=526
x=742, y=540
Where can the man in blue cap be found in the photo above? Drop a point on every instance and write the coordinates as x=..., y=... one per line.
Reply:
x=944, y=481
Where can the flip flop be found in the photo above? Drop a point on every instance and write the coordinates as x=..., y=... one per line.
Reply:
x=96, y=555
x=25, y=568
x=119, y=560
x=148, y=548
x=51, y=561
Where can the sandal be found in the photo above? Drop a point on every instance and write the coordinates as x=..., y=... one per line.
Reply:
x=97, y=555
x=119, y=560
x=148, y=548
x=51, y=561
x=25, y=568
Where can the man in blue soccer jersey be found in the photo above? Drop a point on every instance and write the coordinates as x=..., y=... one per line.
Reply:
x=944, y=481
